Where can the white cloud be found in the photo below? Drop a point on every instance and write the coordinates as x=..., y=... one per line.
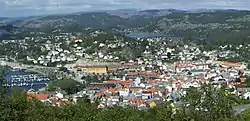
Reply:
x=15, y=7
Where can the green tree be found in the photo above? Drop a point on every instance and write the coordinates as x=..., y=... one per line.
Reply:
x=3, y=71
x=164, y=112
x=208, y=103
x=69, y=85
x=245, y=116
x=119, y=114
x=91, y=79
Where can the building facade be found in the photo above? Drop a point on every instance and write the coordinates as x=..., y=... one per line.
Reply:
x=91, y=69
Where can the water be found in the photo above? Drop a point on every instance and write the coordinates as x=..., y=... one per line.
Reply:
x=22, y=80
x=148, y=35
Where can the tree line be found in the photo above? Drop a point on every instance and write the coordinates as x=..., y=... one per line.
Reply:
x=206, y=103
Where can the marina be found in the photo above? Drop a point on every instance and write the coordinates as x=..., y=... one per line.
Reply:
x=25, y=80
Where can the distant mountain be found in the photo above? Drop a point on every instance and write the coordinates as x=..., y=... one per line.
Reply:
x=3, y=18
x=213, y=10
x=155, y=11
x=126, y=13
x=133, y=12
x=123, y=13
x=70, y=22
x=177, y=11
x=6, y=31
x=218, y=25
x=202, y=23
x=201, y=10
x=3, y=21
x=7, y=27
x=28, y=18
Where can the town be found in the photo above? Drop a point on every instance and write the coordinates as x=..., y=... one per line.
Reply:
x=163, y=72
x=75, y=61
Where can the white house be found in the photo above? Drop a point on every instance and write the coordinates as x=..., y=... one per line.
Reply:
x=246, y=95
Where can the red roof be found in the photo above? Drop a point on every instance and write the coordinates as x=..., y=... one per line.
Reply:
x=98, y=94
x=113, y=90
x=103, y=89
x=41, y=96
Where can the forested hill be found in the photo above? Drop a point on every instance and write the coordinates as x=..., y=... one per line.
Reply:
x=219, y=25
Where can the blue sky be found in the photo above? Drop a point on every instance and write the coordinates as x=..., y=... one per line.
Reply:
x=38, y=7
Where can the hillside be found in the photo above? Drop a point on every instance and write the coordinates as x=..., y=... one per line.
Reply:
x=6, y=31
x=93, y=20
x=208, y=25
x=215, y=25
x=102, y=34
x=3, y=18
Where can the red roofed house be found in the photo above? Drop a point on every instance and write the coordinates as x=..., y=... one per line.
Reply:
x=40, y=97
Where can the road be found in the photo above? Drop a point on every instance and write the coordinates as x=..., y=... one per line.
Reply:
x=34, y=68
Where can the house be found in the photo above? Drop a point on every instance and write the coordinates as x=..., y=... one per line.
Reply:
x=231, y=64
x=100, y=69
x=125, y=99
x=40, y=97
x=152, y=104
x=115, y=98
x=180, y=68
x=142, y=105
x=136, y=102
x=124, y=92
x=100, y=106
x=242, y=90
x=201, y=66
x=146, y=95
x=59, y=95
x=165, y=55
x=246, y=96
x=198, y=72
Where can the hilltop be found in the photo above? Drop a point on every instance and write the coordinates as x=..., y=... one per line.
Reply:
x=194, y=24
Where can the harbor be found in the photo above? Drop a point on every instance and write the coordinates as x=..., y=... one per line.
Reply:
x=19, y=79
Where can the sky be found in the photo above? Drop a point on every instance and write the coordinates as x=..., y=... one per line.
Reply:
x=14, y=8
